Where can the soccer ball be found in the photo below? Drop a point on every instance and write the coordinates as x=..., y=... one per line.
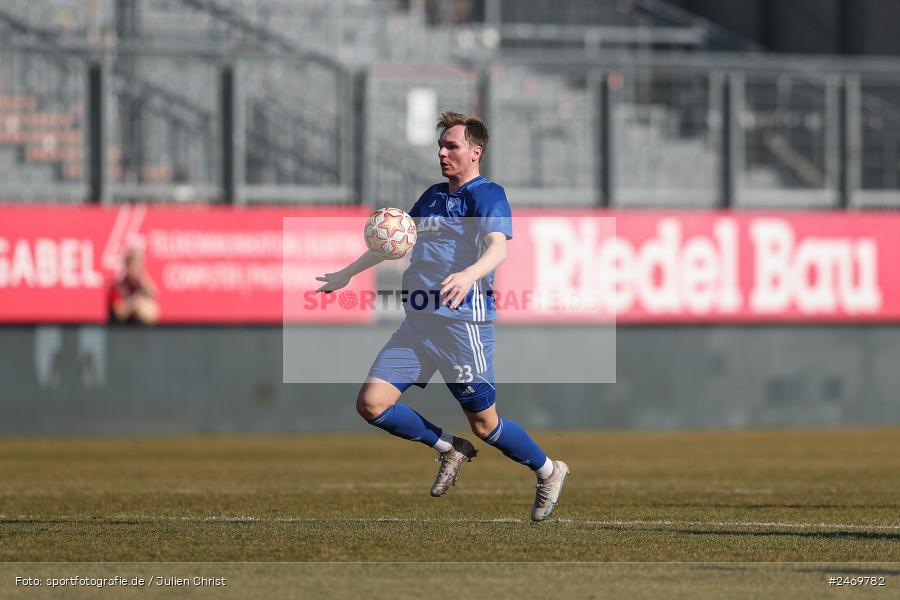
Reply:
x=390, y=233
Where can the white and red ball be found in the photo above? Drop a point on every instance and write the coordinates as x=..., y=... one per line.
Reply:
x=390, y=233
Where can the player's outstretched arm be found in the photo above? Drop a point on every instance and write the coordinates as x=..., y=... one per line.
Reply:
x=457, y=285
x=337, y=280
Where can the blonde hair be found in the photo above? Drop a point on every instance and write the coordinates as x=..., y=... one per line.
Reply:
x=476, y=131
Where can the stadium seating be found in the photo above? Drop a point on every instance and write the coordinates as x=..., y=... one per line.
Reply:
x=296, y=63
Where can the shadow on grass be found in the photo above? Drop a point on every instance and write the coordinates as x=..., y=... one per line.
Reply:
x=854, y=535
x=844, y=568
x=848, y=570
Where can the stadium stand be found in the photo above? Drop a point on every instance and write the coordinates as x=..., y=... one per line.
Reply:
x=322, y=91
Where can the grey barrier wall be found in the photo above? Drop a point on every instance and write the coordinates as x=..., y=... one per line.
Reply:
x=169, y=380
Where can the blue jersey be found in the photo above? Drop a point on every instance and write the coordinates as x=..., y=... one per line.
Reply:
x=451, y=230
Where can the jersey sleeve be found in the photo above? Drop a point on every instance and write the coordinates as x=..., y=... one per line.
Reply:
x=492, y=210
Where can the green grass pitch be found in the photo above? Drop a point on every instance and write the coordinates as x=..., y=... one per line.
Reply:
x=746, y=498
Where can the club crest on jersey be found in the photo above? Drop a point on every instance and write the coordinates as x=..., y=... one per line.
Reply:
x=451, y=203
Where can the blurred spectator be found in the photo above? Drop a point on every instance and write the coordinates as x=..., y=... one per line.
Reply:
x=132, y=299
x=455, y=12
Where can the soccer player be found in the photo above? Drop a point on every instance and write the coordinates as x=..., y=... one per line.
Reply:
x=463, y=227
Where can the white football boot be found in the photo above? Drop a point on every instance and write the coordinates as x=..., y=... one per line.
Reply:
x=547, y=497
x=451, y=462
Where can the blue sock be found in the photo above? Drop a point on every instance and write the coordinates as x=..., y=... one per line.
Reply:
x=513, y=441
x=404, y=422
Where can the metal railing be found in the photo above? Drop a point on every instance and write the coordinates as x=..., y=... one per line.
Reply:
x=877, y=124
x=78, y=122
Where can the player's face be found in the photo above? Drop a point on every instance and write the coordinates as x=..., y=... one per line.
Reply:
x=456, y=154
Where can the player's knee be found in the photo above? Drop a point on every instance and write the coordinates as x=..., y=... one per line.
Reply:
x=481, y=427
x=370, y=404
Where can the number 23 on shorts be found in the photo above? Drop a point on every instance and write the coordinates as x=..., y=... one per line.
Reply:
x=464, y=373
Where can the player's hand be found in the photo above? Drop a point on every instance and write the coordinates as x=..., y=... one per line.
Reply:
x=456, y=287
x=333, y=281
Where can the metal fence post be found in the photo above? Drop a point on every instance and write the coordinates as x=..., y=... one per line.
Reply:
x=233, y=159
x=486, y=109
x=850, y=140
x=735, y=135
x=361, y=141
x=492, y=12
x=239, y=135
x=834, y=153
x=726, y=160
x=227, y=104
x=347, y=142
x=98, y=190
x=606, y=139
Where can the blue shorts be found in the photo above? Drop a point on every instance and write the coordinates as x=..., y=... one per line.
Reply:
x=462, y=351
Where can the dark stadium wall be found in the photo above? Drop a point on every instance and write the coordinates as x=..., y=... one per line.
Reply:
x=742, y=18
x=866, y=27
x=879, y=32
x=172, y=380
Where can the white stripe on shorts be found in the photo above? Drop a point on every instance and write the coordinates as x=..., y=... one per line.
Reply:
x=475, y=295
x=481, y=299
x=480, y=346
x=477, y=348
x=480, y=364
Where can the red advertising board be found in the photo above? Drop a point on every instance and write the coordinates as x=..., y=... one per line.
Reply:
x=702, y=266
x=210, y=265
x=224, y=265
